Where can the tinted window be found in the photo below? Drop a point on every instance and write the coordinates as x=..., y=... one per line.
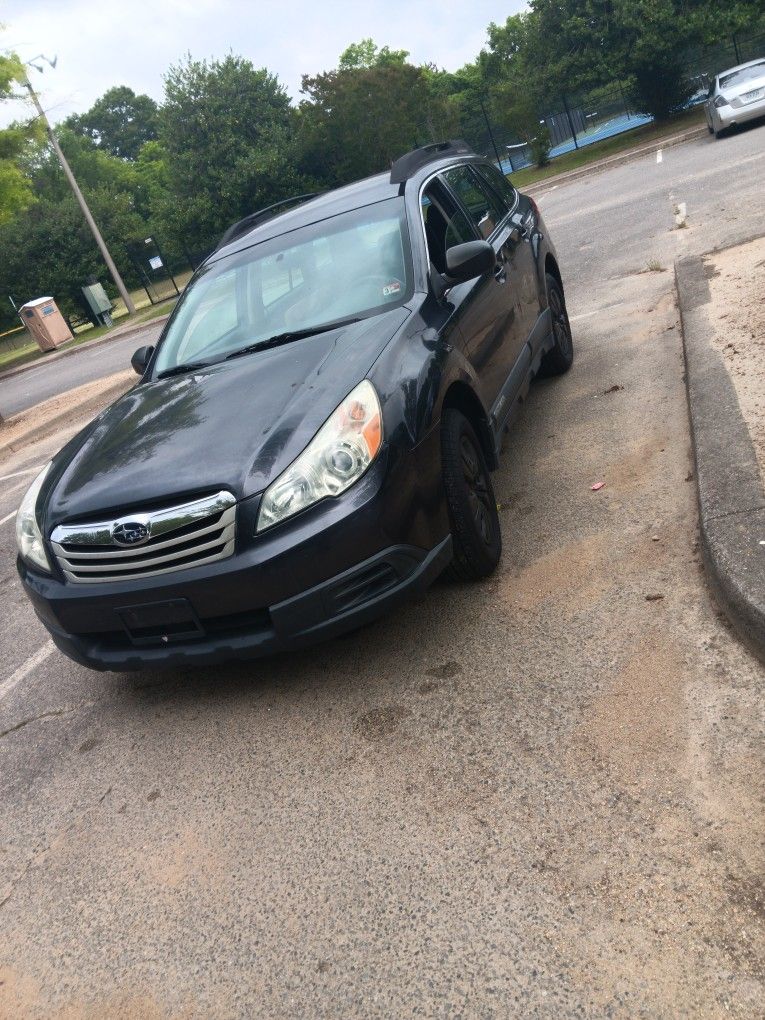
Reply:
x=485, y=208
x=499, y=183
x=351, y=265
x=445, y=224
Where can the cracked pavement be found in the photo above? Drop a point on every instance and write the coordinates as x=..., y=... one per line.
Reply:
x=537, y=796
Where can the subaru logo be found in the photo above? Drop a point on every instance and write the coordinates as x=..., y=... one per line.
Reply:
x=130, y=532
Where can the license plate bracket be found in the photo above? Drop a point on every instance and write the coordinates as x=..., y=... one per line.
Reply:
x=160, y=623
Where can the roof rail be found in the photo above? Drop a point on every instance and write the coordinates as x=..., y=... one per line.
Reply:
x=407, y=166
x=255, y=219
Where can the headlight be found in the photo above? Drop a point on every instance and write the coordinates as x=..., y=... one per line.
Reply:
x=721, y=101
x=28, y=535
x=336, y=457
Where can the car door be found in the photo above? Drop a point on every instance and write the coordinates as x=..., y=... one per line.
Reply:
x=491, y=320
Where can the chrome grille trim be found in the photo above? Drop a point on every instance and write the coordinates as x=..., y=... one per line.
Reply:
x=87, y=553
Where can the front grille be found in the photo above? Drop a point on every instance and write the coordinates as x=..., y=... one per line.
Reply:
x=172, y=538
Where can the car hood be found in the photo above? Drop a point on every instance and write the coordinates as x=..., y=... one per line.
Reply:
x=235, y=425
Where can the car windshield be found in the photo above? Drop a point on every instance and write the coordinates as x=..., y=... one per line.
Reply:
x=743, y=75
x=346, y=267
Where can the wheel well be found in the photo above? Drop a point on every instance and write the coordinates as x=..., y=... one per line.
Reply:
x=551, y=267
x=463, y=398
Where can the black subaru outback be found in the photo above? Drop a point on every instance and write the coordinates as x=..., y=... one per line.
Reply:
x=312, y=437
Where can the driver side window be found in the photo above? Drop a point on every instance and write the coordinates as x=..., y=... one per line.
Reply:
x=445, y=224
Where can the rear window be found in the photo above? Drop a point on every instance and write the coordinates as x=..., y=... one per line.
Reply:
x=743, y=75
x=350, y=266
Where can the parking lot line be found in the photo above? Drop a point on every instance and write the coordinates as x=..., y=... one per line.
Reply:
x=16, y=474
x=659, y=156
x=6, y=686
x=8, y=517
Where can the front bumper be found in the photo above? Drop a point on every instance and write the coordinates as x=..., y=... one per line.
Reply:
x=343, y=603
x=332, y=568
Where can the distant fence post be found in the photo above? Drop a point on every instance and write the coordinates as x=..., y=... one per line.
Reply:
x=736, y=49
x=570, y=122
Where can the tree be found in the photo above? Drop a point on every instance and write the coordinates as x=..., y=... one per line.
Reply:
x=355, y=122
x=120, y=122
x=227, y=133
x=15, y=190
x=366, y=54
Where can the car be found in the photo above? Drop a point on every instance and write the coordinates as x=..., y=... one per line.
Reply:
x=312, y=438
x=736, y=96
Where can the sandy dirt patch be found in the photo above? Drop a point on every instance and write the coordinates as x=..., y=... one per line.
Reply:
x=73, y=407
x=737, y=312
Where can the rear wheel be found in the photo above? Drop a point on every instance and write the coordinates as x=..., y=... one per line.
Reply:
x=476, y=535
x=561, y=357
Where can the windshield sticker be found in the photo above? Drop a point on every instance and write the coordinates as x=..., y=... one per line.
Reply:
x=391, y=288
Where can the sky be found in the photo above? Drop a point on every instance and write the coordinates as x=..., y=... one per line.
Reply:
x=100, y=43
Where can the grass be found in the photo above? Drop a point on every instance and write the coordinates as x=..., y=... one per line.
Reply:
x=31, y=352
x=609, y=147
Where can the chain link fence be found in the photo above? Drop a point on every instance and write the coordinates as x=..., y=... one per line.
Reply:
x=578, y=120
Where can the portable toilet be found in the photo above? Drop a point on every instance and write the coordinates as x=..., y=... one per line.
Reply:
x=45, y=322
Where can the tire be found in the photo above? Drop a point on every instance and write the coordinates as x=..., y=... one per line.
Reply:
x=476, y=534
x=710, y=129
x=561, y=357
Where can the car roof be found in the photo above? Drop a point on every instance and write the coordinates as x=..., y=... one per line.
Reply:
x=368, y=191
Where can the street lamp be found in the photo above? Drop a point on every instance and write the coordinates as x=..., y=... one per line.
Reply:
x=75, y=186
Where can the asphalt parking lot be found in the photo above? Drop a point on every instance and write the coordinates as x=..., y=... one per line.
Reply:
x=536, y=796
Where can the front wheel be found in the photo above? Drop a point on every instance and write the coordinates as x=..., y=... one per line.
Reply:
x=476, y=535
x=561, y=357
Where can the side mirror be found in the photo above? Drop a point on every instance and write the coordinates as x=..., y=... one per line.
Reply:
x=466, y=261
x=141, y=359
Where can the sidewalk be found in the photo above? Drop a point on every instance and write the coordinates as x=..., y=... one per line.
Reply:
x=118, y=333
x=729, y=483
x=612, y=161
x=73, y=408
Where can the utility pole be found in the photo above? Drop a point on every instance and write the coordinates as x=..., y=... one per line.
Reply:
x=491, y=133
x=81, y=199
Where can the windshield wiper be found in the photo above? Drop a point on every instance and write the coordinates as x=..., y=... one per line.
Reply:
x=186, y=366
x=286, y=338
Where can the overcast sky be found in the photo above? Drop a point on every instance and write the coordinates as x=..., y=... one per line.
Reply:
x=100, y=43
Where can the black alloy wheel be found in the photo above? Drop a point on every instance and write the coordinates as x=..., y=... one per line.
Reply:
x=561, y=357
x=476, y=534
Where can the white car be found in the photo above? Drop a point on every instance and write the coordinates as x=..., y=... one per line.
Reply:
x=736, y=96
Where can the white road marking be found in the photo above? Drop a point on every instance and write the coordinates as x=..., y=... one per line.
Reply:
x=659, y=156
x=8, y=518
x=586, y=315
x=15, y=474
x=6, y=686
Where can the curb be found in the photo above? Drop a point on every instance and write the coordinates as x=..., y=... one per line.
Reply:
x=730, y=490
x=88, y=407
x=613, y=161
x=55, y=355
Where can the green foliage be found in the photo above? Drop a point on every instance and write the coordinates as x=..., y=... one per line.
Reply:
x=355, y=122
x=15, y=189
x=50, y=250
x=366, y=54
x=120, y=122
x=227, y=132
x=541, y=144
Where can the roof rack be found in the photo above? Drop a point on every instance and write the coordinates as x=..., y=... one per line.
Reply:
x=407, y=166
x=256, y=218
